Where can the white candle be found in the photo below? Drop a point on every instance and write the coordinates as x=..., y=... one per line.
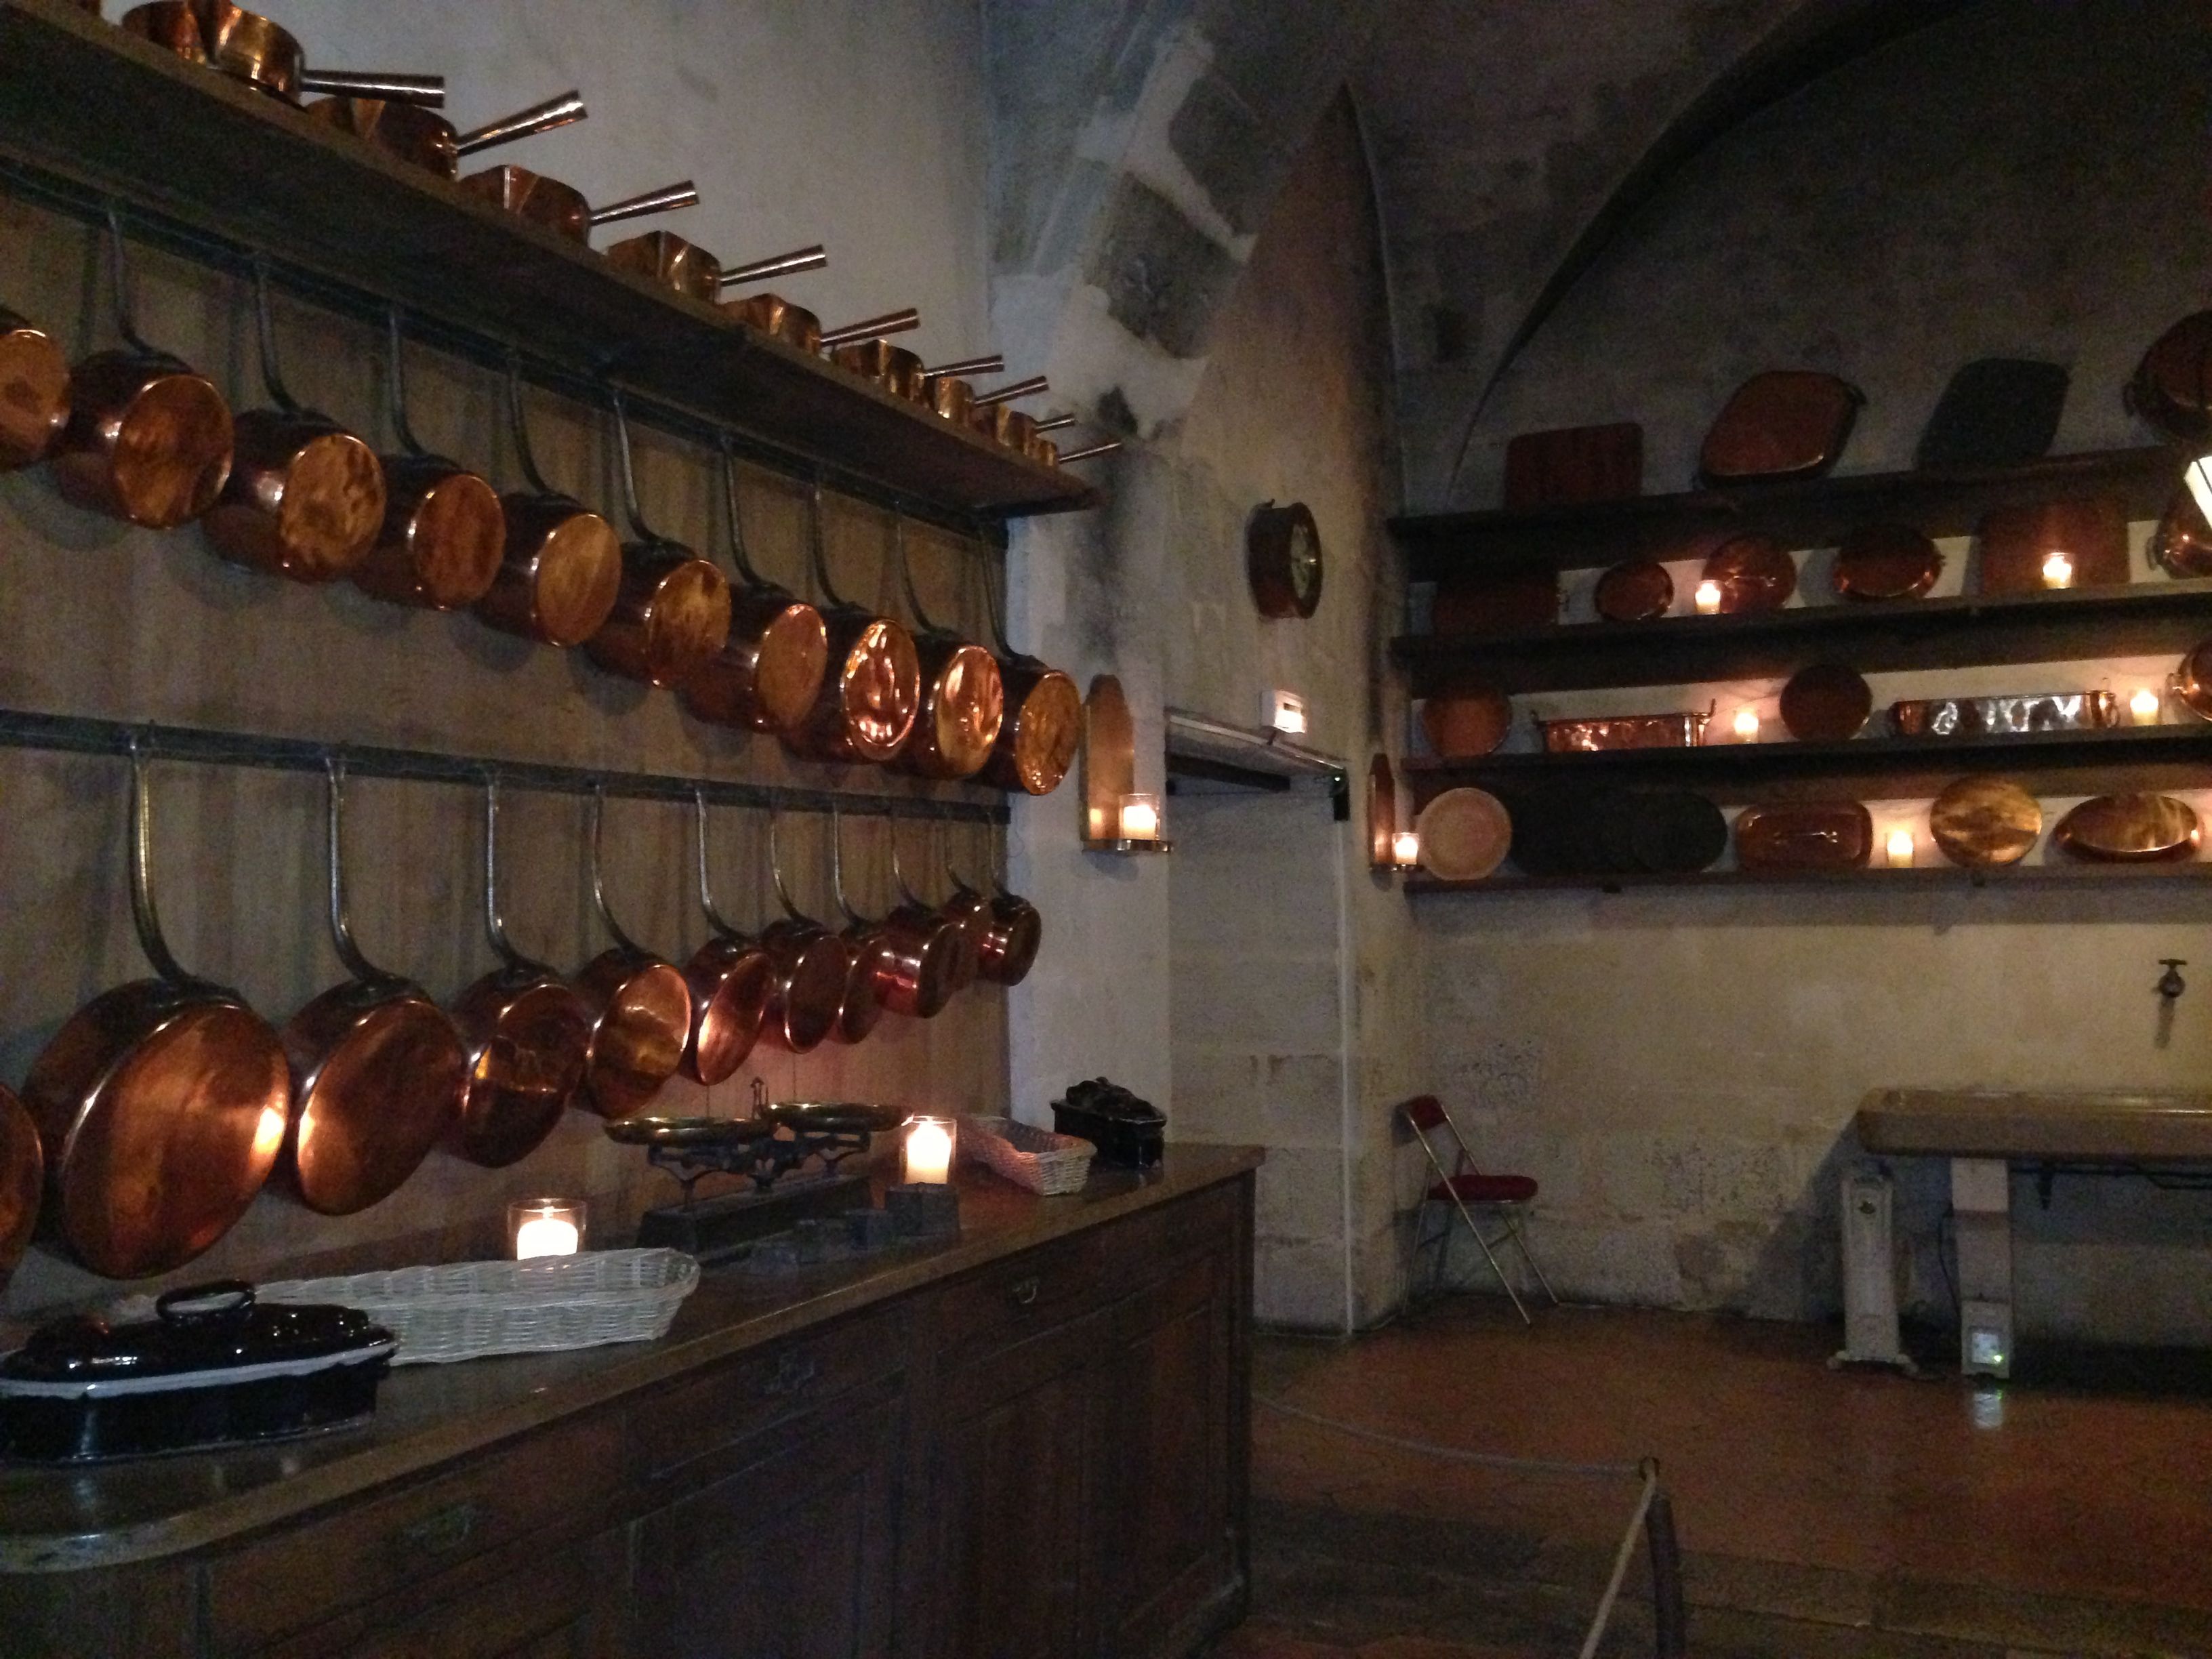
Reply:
x=1709, y=598
x=1747, y=726
x=1900, y=849
x=545, y=1235
x=1406, y=847
x=2144, y=707
x=1140, y=817
x=2058, y=570
x=929, y=1151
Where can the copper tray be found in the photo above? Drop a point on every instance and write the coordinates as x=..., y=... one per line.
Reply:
x=1465, y=834
x=2132, y=828
x=1980, y=717
x=1754, y=572
x=1624, y=732
x=1827, y=702
x=1467, y=723
x=1981, y=822
x=1786, y=423
x=1818, y=835
x=1886, y=562
x=2183, y=546
x=1639, y=591
x=2016, y=540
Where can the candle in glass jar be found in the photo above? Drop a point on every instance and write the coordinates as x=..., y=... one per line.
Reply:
x=1900, y=849
x=1406, y=849
x=928, y=1151
x=2144, y=707
x=545, y=1226
x=1747, y=726
x=1140, y=817
x=2058, y=570
x=1709, y=598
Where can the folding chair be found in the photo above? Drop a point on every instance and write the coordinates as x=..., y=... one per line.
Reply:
x=1464, y=1188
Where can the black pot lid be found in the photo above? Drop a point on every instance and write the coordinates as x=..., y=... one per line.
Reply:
x=1110, y=1100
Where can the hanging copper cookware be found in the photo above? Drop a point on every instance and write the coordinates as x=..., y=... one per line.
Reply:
x=444, y=531
x=160, y=1104
x=378, y=1069
x=672, y=613
x=148, y=440
x=249, y=47
x=870, y=696
x=562, y=208
x=932, y=954
x=771, y=313
x=946, y=392
x=868, y=955
x=640, y=1006
x=1005, y=928
x=528, y=1035
x=425, y=139
x=1043, y=721
x=808, y=968
x=305, y=498
x=769, y=672
x=35, y=393
x=22, y=1181
x=2183, y=545
x=729, y=978
x=2191, y=682
x=562, y=567
x=964, y=698
x=992, y=414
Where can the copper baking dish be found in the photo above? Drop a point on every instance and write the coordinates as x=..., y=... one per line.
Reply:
x=1624, y=732
x=2130, y=829
x=1979, y=717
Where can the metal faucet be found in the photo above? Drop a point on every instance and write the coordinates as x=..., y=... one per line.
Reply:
x=2170, y=983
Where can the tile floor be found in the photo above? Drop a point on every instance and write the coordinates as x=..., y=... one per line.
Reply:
x=1821, y=1514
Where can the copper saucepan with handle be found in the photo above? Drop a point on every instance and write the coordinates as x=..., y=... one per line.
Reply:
x=35, y=393
x=1044, y=449
x=868, y=953
x=249, y=47
x=1043, y=722
x=769, y=313
x=562, y=208
x=378, y=1069
x=561, y=569
x=305, y=498
x=686, y=268
x=160, y=1104
x=528, y=1034
x=444, y=530
x=865, y=349
x=671, y=611
x=992, y=413
x=769, y=672
x=1006, y=928
x=149, y=440
x=425, y=139
x=871, y=693
x=729, y=978
x=22, y=1183
x=640, y=1006
x=964, y=699
x=946, y=392
x=931, y=955
x=808, y=965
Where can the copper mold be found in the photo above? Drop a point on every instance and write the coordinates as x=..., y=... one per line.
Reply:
x=1817, y=836
x=1624, y=732
x=1827, y=702
x=1753, y=574
x=1640, y=591
x=1979, y=717
x=1467, y=721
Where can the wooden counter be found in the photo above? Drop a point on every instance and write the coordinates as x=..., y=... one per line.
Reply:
x=1029, y=1441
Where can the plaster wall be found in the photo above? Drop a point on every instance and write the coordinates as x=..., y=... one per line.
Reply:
x=1679, y=1069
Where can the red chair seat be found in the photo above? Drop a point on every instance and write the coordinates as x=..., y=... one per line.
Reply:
x=1471, y=1188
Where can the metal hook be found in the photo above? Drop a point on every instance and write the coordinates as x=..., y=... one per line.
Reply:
x=714, y=917
x=837, y=868
x=401, y=426
x=143, y=914
x=898, y=874
x=495, y=927
x=775, y=872
x=738, y=557
x=125, y=321
x=994, y=601
x=642, y=530
x=821, y=557
x=952, y=875
x=521, y=428
x=906, y=572
x=264, y=329
x=350, y=953
x=598, y=876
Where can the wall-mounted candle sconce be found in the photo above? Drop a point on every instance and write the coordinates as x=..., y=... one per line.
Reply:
x=1117, y=817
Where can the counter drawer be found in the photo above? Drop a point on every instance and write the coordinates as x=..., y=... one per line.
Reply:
x=1011, y=1300
x=388, y=1545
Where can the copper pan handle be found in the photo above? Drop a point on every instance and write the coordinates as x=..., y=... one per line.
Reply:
x=427, y=90
x=821, y=557
x=837, y=868
x=714, y=915
x=264, y=331
x=993, y=364
x=776, y=872
x=642, y=530
x=906, y=573
x=519, y=425
x=1019, y=389
x=350, y=953
x=1091, y=453
x=898, y=874
x=1055, y=422
x=779, y=264
x=126, y=320
x=598, y=873
x=875, y=328
x=538, y=118
x=144, y=913
x=666, y=199
x=738, y=555
x=495, y=927
x=402, y=428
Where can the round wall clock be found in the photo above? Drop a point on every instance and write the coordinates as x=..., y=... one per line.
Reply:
x=1282, y=559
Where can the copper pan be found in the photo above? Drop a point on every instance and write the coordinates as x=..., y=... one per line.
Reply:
x=768, y=672
x=770, y=313
x=871, y=693
x=964, y=698
x=2191, y=683
x=992, y=413
x=1044, y=723
x=729, y=978
x=426, y=139
x=562, y=208
x=668, y=260
x=378, y=1069
x=640, y=1006
x=808, y=966
x=148, y=440
x=35, y=393
x=562, y=567
x=444, y=530
x=22, y=1181
x=160, y=1104
x=1005, y=928
x=672, y=612
x=932, y=954
x=945, y=391
x=868, y=953
x=528, y=1034
x=862, y=348
x=305, y=498
x=247, y=47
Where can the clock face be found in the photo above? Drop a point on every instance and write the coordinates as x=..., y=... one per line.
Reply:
x=1305, y=565
x=1284, y=561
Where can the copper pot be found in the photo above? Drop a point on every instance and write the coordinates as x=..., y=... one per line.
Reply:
x=160, y=1104
x=808, y=966
x=871, y=694
x=562, y=208
x=947, y=394
x=425, y=139
x=868, y=953
x=931, y=954
x=528, y=1035
x=640, y=1006
x=872, y=331
x=765, y=311
x=148, y=440
x=35, y=393
x=561, y=569
x=668, y=261
x=964, y=700
x=1043, y=724
x=249, y=47
x=671, y=611
x=992, y=413
x=1005, y=928
x=379, y=1070
x=769, y=672
x=896, y=370
x=305, y=498
x=444, y=530
x=729, y=978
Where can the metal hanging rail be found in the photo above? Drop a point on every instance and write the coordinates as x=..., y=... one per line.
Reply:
x=76, y=734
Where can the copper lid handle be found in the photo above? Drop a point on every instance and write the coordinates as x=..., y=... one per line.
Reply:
x=427, y=90
x=144, y=913
x=1018, y=389
x=538, y=118
x=666, y=199
x=714, y=917
x=598, y=874
x=993, y=364
x=875, y=328
x=779, y=264
x=1091, y=453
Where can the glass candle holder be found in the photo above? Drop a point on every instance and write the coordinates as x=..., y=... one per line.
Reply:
x=2058, y=570
x=1900, y=849
x=928, y=1152
x=1406, y=849
x=1709, y=598
x=2145, y=707
x=1747, y=726
x=1140, y=817
x=545, y=1226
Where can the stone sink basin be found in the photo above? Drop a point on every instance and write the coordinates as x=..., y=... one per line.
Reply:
x=2038, y=1123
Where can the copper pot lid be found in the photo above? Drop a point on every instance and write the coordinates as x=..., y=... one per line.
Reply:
x=444, y=531
x=1465, y=834
x=148, y=439
x=1468, y=721
x=22, y=1181
x=1753, y=574
x=2183, y=545
x=685, y=608
x=2130, y=829
x=560, y=574
x=1639, y=591
x=1982, y=821
x=35, y=393
x=878, y=691
x=965, y=706
x=1808, y=836
x=1886, y=562
x=1039, y=738
x=1827, y=702
x=525, y=1063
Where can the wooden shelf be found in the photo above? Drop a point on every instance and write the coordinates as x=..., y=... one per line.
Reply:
x=1876, y=880
x=86, y=106
x=1866, y=769
x=1804, y=513
x=2143, y=618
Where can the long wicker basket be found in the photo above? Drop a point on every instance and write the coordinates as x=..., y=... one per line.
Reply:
x=1027, y=1156
x=469, y=1309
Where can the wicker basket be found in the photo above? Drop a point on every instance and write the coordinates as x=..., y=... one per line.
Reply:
x=1035, y=1158
x=473, y=1309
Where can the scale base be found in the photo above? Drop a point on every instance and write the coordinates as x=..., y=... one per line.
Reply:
x=718, y=1228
